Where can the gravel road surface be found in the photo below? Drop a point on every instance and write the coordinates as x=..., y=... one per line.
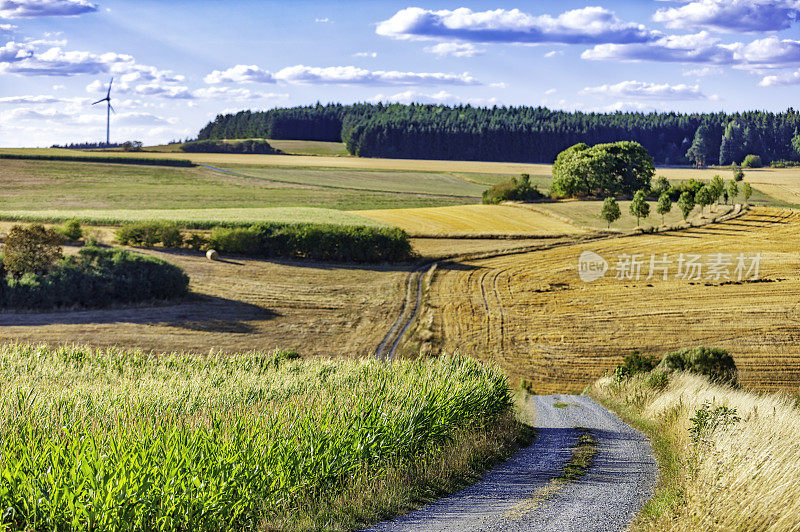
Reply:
x=518, y=495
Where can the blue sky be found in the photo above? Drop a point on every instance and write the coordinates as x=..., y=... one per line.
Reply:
x=178, y=64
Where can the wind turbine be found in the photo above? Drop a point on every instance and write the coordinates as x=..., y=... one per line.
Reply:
x=108, y=112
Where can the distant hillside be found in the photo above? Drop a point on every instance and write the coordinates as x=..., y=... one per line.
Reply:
x=520, y=134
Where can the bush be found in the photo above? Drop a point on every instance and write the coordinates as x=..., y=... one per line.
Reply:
x=197, y=242
x=707, y=419
x=752, y=161
x=784, y=164
x=218, y=146
x=171, y=236
x=96, y=277
x=323, y=242
x=635, y=363
x=712, y=362
x=512, y=190
x=692, y=186
x=31, y=249
x=148, y=234
x=71, y=230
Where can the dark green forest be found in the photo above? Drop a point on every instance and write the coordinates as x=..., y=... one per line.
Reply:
x=522, y=134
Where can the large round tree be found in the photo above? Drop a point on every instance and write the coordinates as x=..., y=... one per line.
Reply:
x=602, y=170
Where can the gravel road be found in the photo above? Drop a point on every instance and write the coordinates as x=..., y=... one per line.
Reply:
x=518, y=495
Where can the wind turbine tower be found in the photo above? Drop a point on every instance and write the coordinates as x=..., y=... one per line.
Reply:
x=108, y=112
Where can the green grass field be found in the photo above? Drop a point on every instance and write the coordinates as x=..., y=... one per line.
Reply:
x=121, y=440
x=195, y=218
x=40, y=185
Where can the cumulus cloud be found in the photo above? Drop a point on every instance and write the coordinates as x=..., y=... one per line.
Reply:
x=645, y=90
x=240, y=74
x=731, y=15
x=702, y=47
x=336, y=75
x=44, y=8
x=588, y=25
x=228, y=93
x=791, y=78
x=371, y=55
x=453, y=49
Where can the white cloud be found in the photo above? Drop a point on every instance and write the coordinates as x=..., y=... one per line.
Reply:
x=702, y=72
x=453, y=49
x=731, y=15
x=336, y=75
x=586, y=25
x=694, y=48
x=791, y=78
x=702, y=47
x=324, y=20
x=553, y=53
x=645, y=90
x=228, y=93
x=440, y=98
x=37, y=99
x=371, y=55
x=550, y=91
x=350, y=75
x=240, y=74
x=44, y=8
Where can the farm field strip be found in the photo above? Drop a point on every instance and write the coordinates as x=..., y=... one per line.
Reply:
x=238, y=305
x=420, y=183
x=531, y=313
x=472, y=220
x=199, y=218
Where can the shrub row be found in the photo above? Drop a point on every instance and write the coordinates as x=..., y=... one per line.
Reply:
x=101, y=159
x=325, y=242
x=712, y=362
x=96, y=277
x=218, y=146
x=512, y=190
x=315, y=241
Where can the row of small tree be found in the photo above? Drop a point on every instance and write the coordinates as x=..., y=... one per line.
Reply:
x=706, y=195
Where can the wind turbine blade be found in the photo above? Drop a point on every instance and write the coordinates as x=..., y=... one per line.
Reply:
x=108, y=94
x=98, y=101
x=112, y=109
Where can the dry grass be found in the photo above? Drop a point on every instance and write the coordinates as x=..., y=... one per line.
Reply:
x=318, y=309
x=531, y=313
x=473, y=220
x=742, y=477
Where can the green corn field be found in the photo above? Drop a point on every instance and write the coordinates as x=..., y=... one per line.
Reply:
x=125, y=440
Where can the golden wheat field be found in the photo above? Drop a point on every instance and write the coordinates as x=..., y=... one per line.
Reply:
x=461, y=220
x=532, y=314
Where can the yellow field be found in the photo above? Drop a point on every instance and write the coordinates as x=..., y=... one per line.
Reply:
x=476, y=220
x=532, y=314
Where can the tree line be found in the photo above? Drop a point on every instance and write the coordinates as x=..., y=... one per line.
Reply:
x=522, y=134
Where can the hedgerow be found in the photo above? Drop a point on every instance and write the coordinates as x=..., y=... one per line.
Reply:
x=147, y=161
x=96, y=277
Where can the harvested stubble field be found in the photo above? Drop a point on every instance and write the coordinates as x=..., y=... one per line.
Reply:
x=239, y=305
x=532, y=314
x=479, y=220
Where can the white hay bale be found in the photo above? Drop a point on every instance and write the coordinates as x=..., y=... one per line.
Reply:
x=212, y=254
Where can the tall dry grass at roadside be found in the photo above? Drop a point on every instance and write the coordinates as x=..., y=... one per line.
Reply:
x=745, y=476
x=123, y=440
